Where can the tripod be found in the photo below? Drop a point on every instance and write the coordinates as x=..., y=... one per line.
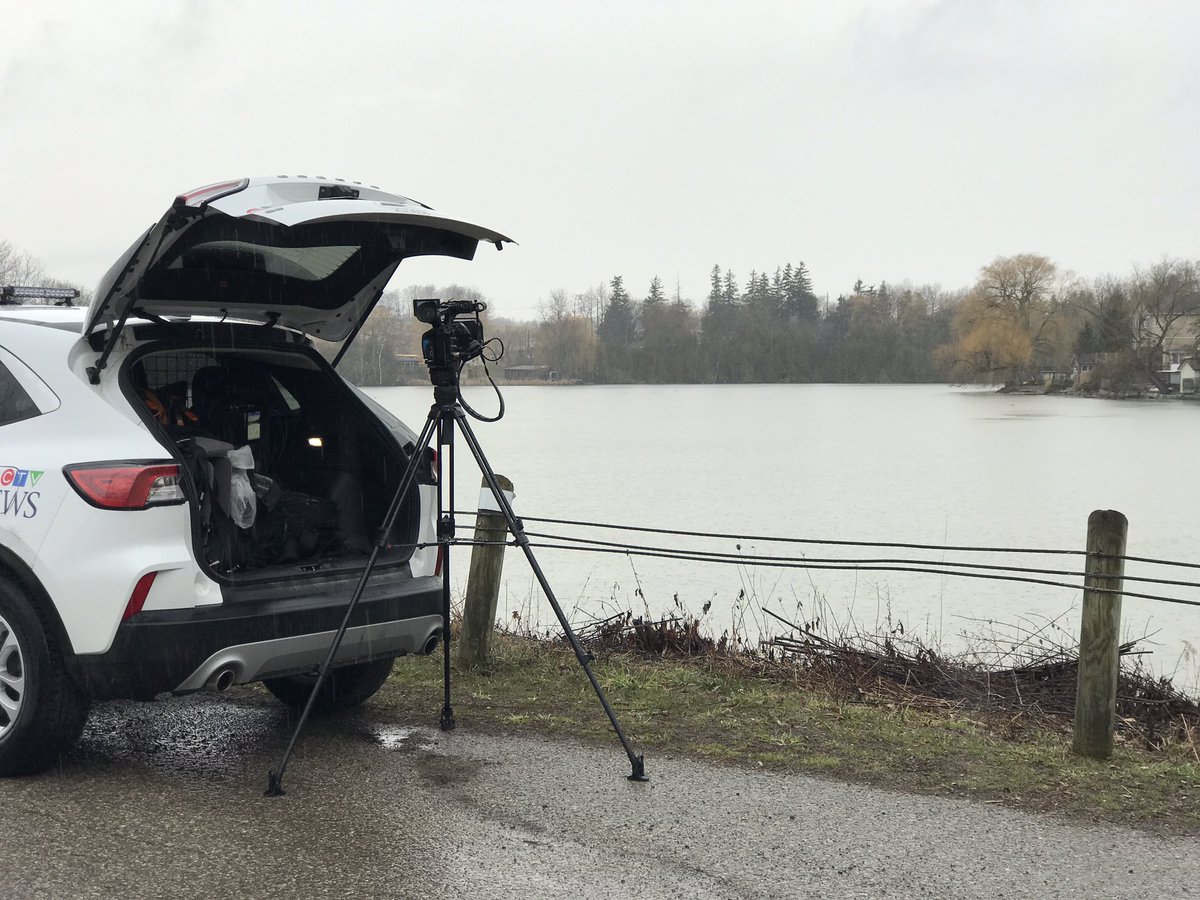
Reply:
x=444, y=354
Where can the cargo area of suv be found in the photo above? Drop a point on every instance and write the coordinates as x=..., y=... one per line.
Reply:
x=287, y=471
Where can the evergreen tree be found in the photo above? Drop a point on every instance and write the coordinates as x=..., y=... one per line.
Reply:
x=616, y=333
x=652, y=358
x=717, y=328
x=1114, y=327
x=729, y=288
x=1086, y=342
x=799, y=302
x=656, y=295
x=716, y=293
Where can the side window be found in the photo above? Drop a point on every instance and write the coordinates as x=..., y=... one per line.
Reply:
x=15, y=403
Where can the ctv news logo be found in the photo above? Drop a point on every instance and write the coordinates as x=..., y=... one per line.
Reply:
x=16, y=498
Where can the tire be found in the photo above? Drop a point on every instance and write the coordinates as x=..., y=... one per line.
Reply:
x=42, y=712
x=344, y=688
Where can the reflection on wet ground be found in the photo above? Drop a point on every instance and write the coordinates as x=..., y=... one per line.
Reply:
x=215, y=737
x=196, y=735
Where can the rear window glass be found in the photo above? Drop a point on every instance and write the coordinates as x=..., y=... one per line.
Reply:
x=15, y=403
x=320, y=265
x=302, y=263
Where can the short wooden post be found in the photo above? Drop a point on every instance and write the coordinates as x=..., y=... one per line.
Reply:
x=1100, y=635
x=483, y=581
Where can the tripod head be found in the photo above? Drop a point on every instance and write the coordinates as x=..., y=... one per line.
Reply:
x=452, y=341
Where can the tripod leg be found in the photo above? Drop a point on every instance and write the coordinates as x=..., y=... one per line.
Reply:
x=636, y=760
x=275, y=778
x=445, y=536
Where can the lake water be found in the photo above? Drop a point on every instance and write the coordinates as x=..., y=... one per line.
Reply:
x=922, y=464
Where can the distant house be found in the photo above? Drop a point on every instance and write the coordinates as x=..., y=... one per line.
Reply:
x=530, y=373
x=1182, y=376
x=1179, y=341
x=1053, y=377
x=408, y=361
x=1084, y=365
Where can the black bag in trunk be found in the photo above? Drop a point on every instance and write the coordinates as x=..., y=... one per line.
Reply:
x=292, y=526
x=312, y=525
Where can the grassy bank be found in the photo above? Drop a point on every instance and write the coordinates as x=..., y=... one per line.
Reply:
x=739, y=711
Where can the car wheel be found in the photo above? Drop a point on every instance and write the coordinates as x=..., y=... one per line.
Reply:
x=344, y=688
x=42, y=712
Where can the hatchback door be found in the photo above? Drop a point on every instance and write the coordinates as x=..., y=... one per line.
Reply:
x=311, y=254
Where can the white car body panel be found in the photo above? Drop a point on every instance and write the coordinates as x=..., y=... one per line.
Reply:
x=116, y=547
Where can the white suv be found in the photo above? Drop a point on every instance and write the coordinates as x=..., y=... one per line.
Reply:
x=188, y=490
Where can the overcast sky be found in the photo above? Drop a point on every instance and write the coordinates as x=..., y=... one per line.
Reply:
x=887, y=140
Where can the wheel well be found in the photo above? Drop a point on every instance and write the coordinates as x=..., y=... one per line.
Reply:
x=12, y=565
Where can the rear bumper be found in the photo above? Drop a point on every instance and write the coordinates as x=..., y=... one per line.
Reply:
x=276, y=633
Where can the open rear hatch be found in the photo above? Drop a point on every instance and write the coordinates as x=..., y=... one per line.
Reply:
x=289, y=472
x=309, y=254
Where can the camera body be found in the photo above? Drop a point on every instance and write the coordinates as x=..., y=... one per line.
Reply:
x=451, y=341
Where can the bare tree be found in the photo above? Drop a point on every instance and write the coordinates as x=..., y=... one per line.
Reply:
x=1167, y=299
x=19, y=267
x=556, y=307
x=566, y=337
x=591, y=304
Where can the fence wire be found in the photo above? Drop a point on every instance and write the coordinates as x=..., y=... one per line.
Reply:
x=945, y=568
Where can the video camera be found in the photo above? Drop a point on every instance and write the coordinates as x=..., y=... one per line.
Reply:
x=451, y=341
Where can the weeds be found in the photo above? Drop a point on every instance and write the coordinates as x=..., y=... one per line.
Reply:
x=1017, y=676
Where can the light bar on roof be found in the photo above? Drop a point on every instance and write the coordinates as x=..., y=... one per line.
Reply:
x=23, y=292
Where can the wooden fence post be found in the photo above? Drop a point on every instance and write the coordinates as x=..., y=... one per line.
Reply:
x=483, y=580
x=1100, y=635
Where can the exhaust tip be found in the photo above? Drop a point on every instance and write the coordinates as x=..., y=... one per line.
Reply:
x=431, y=644
x=222, y=680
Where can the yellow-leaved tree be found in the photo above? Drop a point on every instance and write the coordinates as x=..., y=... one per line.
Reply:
x=1007, y=325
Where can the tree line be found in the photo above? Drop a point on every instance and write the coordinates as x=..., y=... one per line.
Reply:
x=1023, y=319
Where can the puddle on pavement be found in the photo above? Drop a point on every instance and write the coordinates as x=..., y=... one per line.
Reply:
x=397, y=737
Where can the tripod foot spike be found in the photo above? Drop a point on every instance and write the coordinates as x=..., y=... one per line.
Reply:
x=639, y=769
x=447, y=723
x=274, y=786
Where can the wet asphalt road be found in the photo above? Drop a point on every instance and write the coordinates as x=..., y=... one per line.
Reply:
x=165, y=800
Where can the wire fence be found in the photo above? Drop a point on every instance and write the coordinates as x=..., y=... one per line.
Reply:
x=1001, y=564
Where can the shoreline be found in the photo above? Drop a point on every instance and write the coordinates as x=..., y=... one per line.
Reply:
x=1026, y=390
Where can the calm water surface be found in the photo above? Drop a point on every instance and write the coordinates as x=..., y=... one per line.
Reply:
x=924, y=464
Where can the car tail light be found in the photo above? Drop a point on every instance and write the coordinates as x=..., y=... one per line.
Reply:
x=137, y=599
x=127, y=485
x=437, y=566
x=205, y=195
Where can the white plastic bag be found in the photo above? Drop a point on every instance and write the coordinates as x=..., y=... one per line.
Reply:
x=242, y=501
